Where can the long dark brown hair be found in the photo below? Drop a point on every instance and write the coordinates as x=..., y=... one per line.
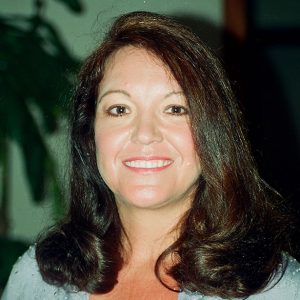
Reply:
x=230, y=239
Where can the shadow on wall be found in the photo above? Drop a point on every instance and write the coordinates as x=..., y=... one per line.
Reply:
x=265, y=103
x=206, y=30
x=272, y=132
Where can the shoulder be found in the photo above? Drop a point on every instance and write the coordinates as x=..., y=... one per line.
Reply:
x=25, y=282
x=285, y=285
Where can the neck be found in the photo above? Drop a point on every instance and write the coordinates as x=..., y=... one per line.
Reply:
x=149, y=232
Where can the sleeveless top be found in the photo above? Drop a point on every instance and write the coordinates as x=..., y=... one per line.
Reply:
x=26, y=283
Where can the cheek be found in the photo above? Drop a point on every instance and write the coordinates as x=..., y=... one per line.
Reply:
x=108, y=144
x=190, y=166
x=103, y=148
x=184, y=143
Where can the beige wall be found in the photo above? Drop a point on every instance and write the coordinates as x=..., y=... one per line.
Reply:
x=81, y=33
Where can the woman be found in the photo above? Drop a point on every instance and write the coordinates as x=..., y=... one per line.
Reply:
x=166, y=202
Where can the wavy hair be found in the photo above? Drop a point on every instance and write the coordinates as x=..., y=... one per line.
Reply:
x=230, y=239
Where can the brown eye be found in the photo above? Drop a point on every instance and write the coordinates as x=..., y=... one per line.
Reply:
x=118, y=110
x=177, y=110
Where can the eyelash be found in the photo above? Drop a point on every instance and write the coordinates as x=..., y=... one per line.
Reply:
x=123, y=109
x=116, y=107
x=185, y=110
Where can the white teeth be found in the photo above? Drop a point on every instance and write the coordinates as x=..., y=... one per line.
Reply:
x=147, y=164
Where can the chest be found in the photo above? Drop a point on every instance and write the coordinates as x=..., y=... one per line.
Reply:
x=138, y=285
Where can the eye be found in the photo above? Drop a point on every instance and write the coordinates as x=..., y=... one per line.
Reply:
x=118, y=110
x=176, y=110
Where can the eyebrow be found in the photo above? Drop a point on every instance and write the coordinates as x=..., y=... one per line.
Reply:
x=128, y=95
x=174, y=93
x=112, y=92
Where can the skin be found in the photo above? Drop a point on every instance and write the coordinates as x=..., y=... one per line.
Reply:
x=135, y=119
x=146, y=155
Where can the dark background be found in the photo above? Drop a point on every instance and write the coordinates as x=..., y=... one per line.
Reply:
x=262, y=56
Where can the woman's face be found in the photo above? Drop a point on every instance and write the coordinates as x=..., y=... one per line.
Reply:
x=144, y=147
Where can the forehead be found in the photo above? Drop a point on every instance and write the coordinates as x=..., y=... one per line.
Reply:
x=129, y=57
x=136, y=68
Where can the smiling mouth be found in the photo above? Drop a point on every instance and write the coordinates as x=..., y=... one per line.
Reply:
x=148, y=164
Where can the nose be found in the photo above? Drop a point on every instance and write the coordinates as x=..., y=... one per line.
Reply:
x=147, y=130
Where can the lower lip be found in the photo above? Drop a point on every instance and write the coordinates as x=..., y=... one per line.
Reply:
x=148, y=170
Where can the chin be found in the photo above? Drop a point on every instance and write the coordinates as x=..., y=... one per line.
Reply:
x=147, y=197
x=141, y=197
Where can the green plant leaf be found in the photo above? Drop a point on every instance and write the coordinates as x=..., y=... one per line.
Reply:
x=35, y=73
x=74, y=5
x=10, y=250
